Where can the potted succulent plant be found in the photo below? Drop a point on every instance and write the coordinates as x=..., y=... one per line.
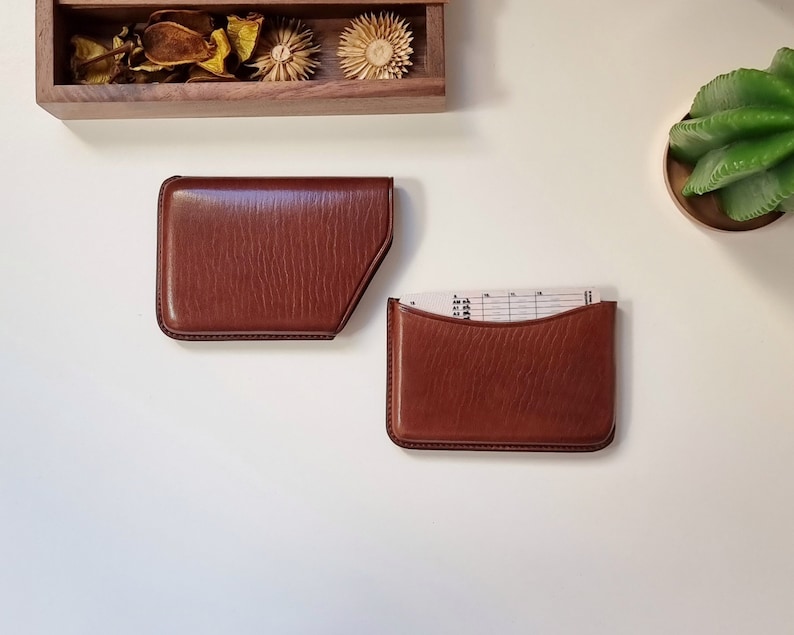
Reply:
x=730, y=161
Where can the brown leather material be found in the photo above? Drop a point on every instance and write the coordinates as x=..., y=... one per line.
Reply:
x=267, y=258
x=540, y=385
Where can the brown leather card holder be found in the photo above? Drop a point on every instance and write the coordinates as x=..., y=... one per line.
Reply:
x=539, y=385
x=267, y=258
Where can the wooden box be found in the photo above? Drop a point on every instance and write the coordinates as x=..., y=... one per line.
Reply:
x=328, y=92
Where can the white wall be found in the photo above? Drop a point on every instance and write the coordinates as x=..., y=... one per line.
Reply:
x=148, y=486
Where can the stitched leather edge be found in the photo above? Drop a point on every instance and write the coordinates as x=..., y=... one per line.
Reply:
x=484, y=447
x=158, y=289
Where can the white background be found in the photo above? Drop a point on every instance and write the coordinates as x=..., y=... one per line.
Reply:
x=149, y=486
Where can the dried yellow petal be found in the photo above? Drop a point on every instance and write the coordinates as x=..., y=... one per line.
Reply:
x=84, y=70
x=137, y=55
x=217, y=63
x=120, y=39
x=150, y=67
x=244, y=34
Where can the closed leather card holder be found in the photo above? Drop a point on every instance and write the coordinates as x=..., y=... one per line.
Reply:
x=537, y=385
x=267, y=258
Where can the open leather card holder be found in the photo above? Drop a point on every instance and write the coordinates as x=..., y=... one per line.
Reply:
x=267, y=258
x=537, y=385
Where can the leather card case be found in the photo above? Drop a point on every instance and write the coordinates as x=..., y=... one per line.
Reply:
x=267, y=258
x=536, y=385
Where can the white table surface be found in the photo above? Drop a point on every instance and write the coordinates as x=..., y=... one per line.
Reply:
x=149, y=486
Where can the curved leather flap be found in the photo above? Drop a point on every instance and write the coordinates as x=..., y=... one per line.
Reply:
x=546, y=384
x=268, y=258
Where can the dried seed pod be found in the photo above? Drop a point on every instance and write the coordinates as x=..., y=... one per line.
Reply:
x=198, y=21
x=376, y=47
x=286, y=52
x=169, y=44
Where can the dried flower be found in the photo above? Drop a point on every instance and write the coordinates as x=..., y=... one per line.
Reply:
x=376, y=47
x=286, y=52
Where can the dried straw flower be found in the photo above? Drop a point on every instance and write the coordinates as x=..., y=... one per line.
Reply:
x=376, y=47
x=285, y=52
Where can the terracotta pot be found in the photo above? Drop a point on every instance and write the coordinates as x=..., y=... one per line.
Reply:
x=705, y=209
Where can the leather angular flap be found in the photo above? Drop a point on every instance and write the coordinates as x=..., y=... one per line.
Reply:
x=268, y=258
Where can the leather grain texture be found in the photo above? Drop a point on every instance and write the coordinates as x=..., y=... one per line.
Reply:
x=540, y=385
x=267, y=258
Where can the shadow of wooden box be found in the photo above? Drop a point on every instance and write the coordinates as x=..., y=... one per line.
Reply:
x=423, y=89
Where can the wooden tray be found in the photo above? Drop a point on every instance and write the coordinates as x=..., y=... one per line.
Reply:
x=422, y=90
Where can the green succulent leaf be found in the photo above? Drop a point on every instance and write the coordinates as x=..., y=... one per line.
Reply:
x=692, y=138
x=761, y=193
x=787, y=204
x=747, y=202
x=742, y=87
x=783, y=64
x=726, y=165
